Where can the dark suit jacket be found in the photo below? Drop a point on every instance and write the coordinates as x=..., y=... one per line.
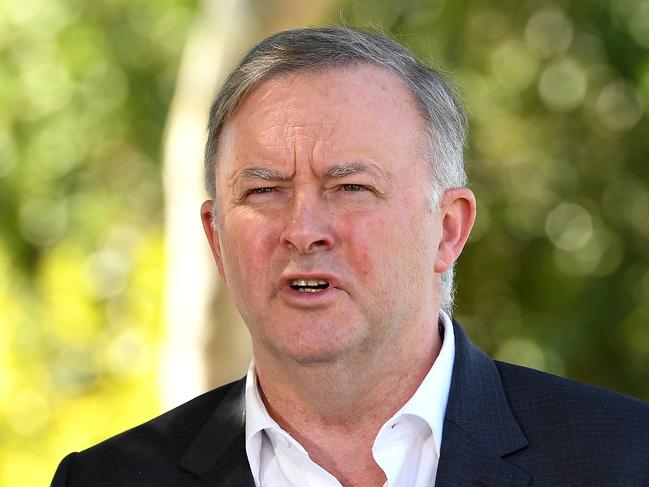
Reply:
x=505, y=426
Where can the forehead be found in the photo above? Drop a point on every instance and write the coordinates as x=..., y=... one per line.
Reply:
x=361, y=108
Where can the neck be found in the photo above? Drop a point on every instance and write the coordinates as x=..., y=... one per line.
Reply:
x=335, y=409
x=348, y=393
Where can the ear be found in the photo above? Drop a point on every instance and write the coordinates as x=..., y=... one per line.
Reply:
x=212, y=234
x=457, y=213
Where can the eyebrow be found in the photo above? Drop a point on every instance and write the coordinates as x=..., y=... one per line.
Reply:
x=262, y=173
x=342, y=170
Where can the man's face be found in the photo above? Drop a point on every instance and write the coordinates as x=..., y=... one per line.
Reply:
x=325, y=235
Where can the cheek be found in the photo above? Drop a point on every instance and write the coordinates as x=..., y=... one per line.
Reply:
x=370, y=243
x=389, y=244
x=249, y=244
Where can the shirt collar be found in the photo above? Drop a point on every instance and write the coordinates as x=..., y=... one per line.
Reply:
x=430, y=399
x=257, y=420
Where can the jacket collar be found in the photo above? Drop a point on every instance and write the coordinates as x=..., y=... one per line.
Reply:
x=218, y=454
x=479, y=427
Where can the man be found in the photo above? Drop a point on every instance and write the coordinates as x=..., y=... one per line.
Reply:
x=339, y=206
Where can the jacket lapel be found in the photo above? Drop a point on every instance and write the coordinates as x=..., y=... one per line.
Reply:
x=218, y=454
x=479, y=427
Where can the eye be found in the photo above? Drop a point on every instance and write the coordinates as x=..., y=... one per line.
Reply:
x=353, y=187
x=262, y=190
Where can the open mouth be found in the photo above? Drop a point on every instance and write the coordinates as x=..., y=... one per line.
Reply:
x=310, y=285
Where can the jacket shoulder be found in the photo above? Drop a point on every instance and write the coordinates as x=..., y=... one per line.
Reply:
x=538, y=392
x=597, y=433
x=148, y=454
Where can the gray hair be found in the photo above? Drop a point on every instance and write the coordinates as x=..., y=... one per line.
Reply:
x=330, y=47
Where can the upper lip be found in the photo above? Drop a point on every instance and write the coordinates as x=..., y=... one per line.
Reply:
x=287, y=279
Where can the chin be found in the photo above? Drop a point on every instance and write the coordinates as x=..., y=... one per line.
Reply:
x=315, y=354
x=316, y=359
x=321, y=342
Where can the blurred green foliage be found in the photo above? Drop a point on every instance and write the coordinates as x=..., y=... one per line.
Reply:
x=84, y=91
x=556, y=275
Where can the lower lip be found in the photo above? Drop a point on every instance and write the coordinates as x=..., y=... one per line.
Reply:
x=307, y=299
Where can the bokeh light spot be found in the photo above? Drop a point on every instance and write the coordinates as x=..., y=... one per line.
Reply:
x=23, y=12
x=569, y=226
x=128, y=354
x=522, y=351
x=108, y=270
x=513, y=65
x=43, y=220
x=46, y=84
x=579, y=262
x=549, y=31
x=562, y=85
x=55, y=150
x=639, y=24
x=104, y=88
x=28, y=411
x=619, y=106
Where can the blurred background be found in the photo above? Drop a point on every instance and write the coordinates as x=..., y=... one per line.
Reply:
x=110, y=310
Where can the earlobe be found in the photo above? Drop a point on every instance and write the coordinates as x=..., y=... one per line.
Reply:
x=212, y=234
x=457, y=212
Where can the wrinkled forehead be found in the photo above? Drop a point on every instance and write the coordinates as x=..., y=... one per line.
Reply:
x=363, y=72
x=346, y=101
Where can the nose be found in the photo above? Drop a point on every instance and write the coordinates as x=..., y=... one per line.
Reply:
x=309, y=226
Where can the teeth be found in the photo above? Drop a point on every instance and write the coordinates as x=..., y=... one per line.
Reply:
x=309, y=285
x=310, y=282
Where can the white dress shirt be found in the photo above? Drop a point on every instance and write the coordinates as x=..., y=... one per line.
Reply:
x=406, y=447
